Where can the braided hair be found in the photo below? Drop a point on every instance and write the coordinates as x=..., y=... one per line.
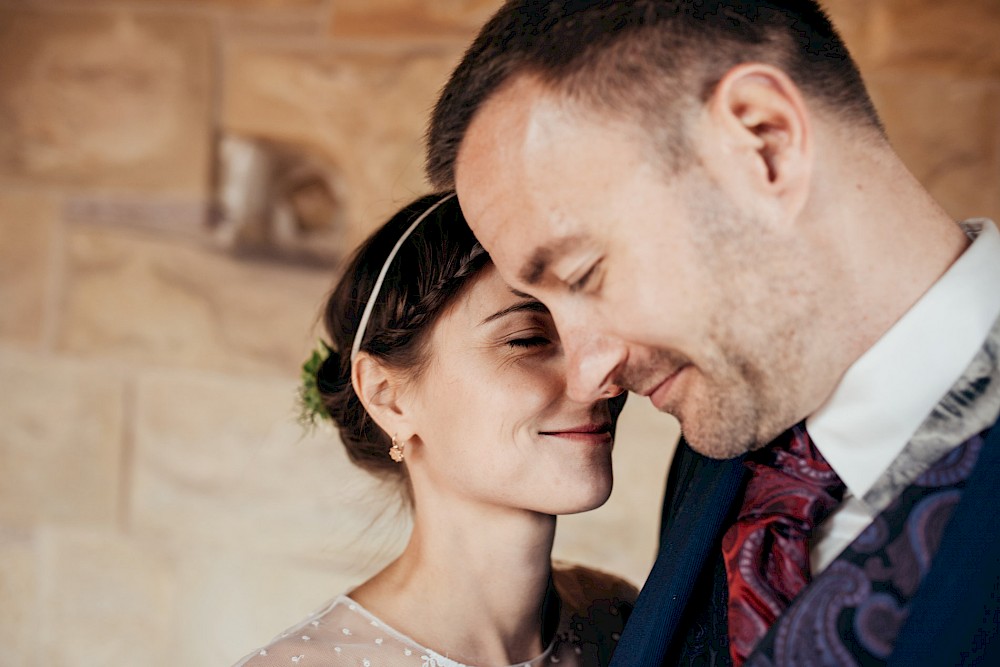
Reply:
x=430, y=270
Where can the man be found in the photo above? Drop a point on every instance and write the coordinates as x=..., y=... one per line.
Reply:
x=703, y=195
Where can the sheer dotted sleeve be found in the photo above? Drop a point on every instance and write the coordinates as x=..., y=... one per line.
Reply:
x=594, y=607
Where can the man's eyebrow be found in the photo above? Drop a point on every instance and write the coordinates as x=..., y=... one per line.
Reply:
x=540, y=259
x=531, y=305
x=533, y=270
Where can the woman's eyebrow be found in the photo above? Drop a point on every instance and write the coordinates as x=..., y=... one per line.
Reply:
x=533, y=306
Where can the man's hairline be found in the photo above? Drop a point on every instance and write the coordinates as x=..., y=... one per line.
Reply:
x=583, y=106
x=586, y=105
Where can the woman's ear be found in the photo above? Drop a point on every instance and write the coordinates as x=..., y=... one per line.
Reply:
x=380, y=390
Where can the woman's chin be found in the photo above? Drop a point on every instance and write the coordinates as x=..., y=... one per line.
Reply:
x=583, y=499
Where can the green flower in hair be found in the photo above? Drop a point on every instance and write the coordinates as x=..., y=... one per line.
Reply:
x=311, y=408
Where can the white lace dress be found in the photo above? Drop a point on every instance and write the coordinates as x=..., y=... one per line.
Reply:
x=594, y=607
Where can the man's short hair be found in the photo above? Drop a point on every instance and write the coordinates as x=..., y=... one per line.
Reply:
x=647, y=60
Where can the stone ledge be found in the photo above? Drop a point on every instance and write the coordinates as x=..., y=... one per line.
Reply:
x=364, y=110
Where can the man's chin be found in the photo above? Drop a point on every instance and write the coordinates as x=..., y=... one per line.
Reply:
x=719, y=444
x=716, y=424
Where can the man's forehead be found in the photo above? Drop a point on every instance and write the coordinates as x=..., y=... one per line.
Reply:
x=525, y=249
x=513, y=135
x=521, y=210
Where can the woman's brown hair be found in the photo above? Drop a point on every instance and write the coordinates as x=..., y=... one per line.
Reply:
x=430, y=269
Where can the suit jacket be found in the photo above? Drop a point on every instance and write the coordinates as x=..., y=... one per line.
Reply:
x=953, y=620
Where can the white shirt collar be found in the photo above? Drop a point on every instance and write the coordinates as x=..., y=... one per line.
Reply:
x=889, y=391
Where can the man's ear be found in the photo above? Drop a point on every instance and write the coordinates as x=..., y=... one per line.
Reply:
x=379, y=389
x=763, y=123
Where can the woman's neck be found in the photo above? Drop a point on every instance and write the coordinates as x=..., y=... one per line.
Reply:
x=470, y=583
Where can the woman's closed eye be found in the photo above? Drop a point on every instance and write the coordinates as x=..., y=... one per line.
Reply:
x=529, y=338
x=529, y=341
x=524, y=326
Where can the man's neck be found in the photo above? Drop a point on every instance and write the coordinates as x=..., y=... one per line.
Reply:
x=882, y=242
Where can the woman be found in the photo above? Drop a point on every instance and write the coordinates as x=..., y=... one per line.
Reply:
x=444, y=378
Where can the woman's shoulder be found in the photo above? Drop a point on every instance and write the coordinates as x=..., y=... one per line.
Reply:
x=595, y=607
x=287, y=648
x=580, y=586
x=341, y=632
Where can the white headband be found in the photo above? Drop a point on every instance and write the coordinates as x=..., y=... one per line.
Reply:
x=363, y=324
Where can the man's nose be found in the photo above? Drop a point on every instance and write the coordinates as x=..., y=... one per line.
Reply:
x=593, y=363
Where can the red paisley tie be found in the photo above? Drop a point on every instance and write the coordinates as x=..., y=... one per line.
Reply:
x=791, y=490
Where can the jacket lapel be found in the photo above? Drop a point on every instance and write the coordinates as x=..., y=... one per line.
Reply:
x=685, y=548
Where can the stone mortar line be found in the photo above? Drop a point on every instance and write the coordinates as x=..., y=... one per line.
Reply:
x=56, y=287
x=106, y=6
x=126, y=461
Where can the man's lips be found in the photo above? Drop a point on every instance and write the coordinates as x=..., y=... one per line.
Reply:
x=658, y=394
x=583, y=433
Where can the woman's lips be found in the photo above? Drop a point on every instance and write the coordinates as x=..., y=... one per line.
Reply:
x=587, y=433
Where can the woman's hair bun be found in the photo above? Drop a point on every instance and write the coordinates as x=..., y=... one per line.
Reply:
x=330, y=376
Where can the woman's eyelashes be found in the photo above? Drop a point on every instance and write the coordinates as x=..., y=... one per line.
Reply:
x=532, y=337
x=529, y=341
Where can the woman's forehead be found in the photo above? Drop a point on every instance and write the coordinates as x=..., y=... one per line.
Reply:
x=483, y=298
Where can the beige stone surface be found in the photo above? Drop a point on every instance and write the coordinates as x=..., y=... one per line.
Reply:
x=946, y=131
x=256, y=26
x=61, y=442
x=156, y=303
x=853, y=21
x=111, y=100
x=622, y=536
x=106, y=600
x=955, y=37
x=19, y=580
x=221, y=461
x=231, y=601
x=158, y=503
x=364, y=110
x=409, y=18
x=27, y=230
x=240, y=5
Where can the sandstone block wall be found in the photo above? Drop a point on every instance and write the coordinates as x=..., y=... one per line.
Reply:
x=158, y=503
